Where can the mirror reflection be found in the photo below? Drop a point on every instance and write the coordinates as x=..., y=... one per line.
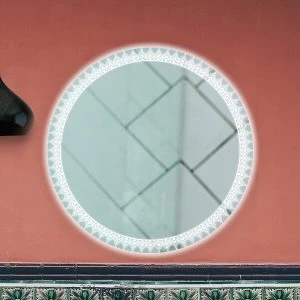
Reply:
x=150, y=150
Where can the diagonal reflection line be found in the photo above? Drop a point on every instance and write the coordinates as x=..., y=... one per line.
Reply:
x=202, y=81
x=216, y=109
x=223, y=143
x=129, y=132
x=140, y=193
x=157, y=73
x=214, y=196
x=87, y=172
x=154, y=102
x=99, y=185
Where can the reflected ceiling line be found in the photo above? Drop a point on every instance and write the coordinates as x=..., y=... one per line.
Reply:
x=216, y=109
x=129, y=132
x=175, y=164
x=152, y=103
x=214, y=151
x=203, y=80
x=165, y=80
x=214, y=196
x=99, y=185
x=157, y=73
x=87, y=172
x=140, y=193
x=196, y=86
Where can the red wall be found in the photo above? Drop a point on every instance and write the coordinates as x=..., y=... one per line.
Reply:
x=256, y=44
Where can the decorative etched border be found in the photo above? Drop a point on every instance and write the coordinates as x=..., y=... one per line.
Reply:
x=160, y=54
x=168, y=291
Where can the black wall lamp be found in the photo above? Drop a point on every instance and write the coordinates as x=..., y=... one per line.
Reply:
x=16, y=118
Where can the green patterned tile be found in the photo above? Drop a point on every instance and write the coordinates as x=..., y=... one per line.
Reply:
x=17, y=294
x=215, y=294
x=117, y=294
x=84, y=294
x=184, y=294
x=279, y=294
x=247, y=294
x=150, y=294
x=51, y=294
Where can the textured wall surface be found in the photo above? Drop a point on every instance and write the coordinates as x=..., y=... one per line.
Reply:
x=255, y=43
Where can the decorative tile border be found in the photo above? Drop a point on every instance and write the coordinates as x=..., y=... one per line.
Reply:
x=48, y=293
x=151, y=294
x=128, y=292
x=249, y=294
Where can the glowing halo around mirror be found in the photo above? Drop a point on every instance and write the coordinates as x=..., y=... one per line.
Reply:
x=150, y=149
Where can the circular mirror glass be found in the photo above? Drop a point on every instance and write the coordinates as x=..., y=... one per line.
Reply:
x=150, y=149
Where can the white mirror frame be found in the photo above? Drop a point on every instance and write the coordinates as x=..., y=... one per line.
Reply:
x=114, y=60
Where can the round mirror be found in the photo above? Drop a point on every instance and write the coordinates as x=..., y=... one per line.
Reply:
x=150, y=149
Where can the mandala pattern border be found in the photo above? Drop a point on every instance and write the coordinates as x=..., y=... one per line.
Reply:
x=186, y=292
x=111, y=62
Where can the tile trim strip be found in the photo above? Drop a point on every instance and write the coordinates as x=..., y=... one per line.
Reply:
x=150, y=273
x=160, y=292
